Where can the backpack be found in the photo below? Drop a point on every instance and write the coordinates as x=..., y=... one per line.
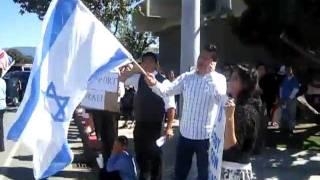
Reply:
x=127, y=99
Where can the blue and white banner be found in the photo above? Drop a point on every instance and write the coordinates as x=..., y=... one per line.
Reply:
x=74, y=49
x=217, y=142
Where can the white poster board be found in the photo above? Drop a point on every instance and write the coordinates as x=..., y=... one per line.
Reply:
x=94, y=100
x=108, y=81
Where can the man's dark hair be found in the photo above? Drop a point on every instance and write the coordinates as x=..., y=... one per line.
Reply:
x=212, y=48
x=123, y=140
x=150, y=54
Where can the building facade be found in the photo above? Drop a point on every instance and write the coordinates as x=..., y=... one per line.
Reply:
x=163, y=18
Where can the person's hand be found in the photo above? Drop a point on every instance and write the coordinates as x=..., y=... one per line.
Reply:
x=315, y=112
x=125, y=72
x=169, y=132
x=150, y=79
x=230, y=107
x=212, y=67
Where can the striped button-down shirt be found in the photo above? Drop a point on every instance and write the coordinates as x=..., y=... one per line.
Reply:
x=202, y=97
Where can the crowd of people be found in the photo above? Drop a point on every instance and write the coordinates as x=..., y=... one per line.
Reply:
x=255, y=98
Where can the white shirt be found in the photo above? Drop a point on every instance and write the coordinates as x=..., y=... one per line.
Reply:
x=121, y=91
x=202, y=96
x=134, y=81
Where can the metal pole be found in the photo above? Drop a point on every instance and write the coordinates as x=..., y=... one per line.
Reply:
x=190, y=37
x=190, y=34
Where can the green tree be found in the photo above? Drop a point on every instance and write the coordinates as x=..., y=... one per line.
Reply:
x=114, y=14
x=135, y=42
x=19, y=57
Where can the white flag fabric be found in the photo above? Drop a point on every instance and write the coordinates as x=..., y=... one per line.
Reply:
x=75, y=48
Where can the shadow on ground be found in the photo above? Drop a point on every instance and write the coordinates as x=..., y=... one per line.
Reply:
x=23, y=158
x=17, y=173
x=295, y=157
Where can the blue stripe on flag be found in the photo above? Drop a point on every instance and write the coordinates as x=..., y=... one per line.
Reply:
x=60, y=15
x=62, y=160
x=116, y=60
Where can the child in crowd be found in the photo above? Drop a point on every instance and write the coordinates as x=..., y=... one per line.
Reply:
x=120, y=161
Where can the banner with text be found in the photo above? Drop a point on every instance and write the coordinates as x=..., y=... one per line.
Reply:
x=108, y=81
x=94, y=99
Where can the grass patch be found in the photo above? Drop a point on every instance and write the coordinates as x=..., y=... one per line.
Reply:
x=312, y=143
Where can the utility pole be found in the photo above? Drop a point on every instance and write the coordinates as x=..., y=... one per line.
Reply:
x=190, y=34
x=190, y=37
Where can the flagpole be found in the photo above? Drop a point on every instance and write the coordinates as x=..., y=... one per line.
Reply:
x=139, y=67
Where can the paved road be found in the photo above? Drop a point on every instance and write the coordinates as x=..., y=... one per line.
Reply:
x=16, y=161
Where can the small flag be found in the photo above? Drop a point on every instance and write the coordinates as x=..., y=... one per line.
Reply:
x=5, y=61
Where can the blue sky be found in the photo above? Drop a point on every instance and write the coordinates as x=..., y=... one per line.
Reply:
x=16, y=29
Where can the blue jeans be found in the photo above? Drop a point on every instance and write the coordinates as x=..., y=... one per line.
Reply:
x=185, y=151
x=289, y=114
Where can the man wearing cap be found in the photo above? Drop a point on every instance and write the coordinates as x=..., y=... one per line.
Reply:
x=203, y=91
x=149, y=112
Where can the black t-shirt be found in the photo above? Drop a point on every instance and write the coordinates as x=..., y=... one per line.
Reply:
x=270, y=85
x=247, y=118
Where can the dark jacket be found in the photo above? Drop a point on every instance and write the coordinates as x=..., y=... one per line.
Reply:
x=148, y=106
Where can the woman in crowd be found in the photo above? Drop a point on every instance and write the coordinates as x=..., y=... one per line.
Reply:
x=243, y=113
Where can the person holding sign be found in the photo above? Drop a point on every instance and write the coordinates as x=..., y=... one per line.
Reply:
x=203, y=92
x=243, y=114
x=149, y=112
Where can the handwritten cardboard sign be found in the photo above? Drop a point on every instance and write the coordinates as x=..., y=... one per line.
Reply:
x=107, y=81
x=94, y=100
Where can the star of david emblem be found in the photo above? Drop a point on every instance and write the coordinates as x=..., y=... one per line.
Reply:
x=61, y=102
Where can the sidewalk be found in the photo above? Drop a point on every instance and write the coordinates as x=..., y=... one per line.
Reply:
x=274, y=163
x=79, y=169
x=285, y=158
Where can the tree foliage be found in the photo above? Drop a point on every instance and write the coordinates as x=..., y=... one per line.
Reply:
x=114, y=14
x=107, y=11
x=265, y=20
x=135, y=42
x=19, y=57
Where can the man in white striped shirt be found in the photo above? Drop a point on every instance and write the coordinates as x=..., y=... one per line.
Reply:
x=202, y=92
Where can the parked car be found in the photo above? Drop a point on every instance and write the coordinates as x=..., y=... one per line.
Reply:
x=20, y=67
x=16, y=82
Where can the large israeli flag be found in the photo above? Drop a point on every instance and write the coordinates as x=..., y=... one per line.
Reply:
x=75, y=47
